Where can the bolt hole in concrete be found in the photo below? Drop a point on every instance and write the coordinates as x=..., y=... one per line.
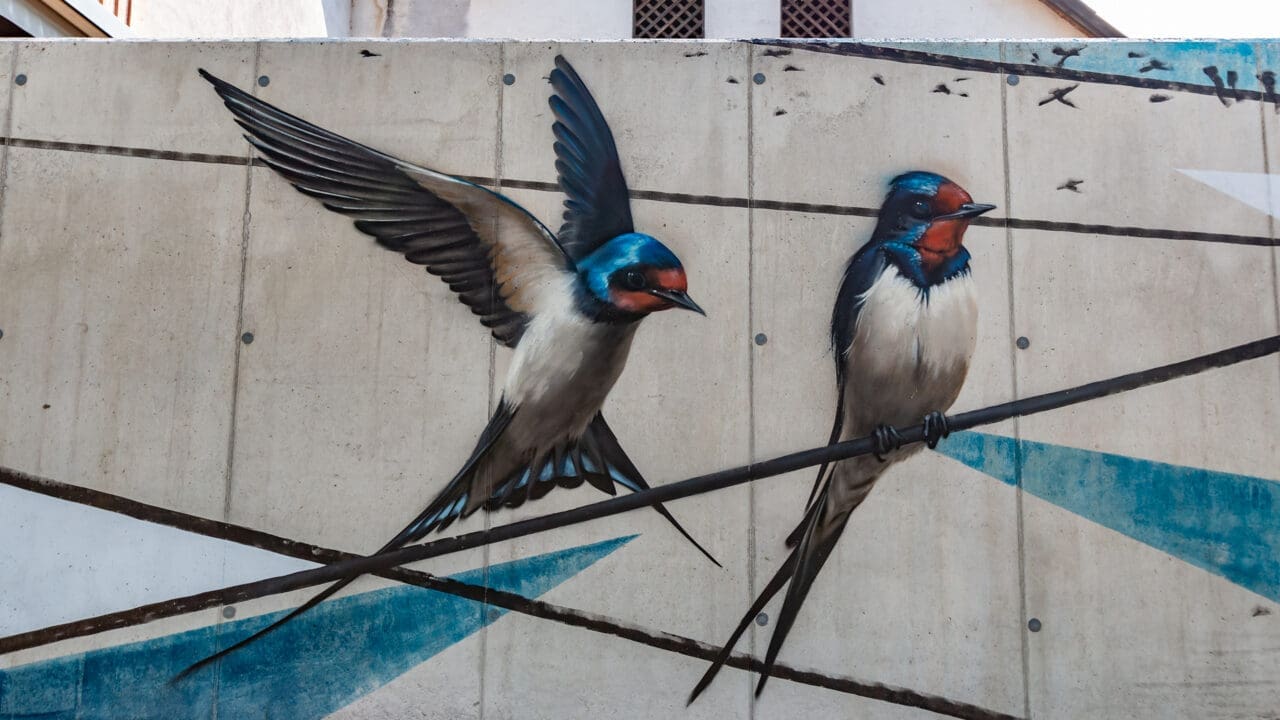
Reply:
x=1023, y=343
x=761, y=338
x=229, y=612
x=1012, y=79
x=246, y=338
x=758, y=78
x=762, y=619
x=1033, y=624
x=508, y=79
x=20, y=79
x=263, y=81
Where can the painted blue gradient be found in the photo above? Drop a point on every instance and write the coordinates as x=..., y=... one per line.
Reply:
x=318, y=663
x=1224, y=523
x=1185, y=60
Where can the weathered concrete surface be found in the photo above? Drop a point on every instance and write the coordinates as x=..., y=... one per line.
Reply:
x=119, y=329
x=665, y=144
x=844, y=147
x=164, y=108
x=126, y=283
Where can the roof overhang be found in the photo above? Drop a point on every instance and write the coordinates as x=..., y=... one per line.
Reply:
x=73, y=18
x=1083, y=17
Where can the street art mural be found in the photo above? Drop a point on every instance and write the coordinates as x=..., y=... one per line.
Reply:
x=903, y=331
x=568, y=304
x=1055, y=420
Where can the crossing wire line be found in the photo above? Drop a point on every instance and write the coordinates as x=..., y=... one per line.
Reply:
x=388, y=563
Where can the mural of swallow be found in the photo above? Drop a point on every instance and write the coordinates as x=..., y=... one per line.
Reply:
x=903, y=331
x=568, y=303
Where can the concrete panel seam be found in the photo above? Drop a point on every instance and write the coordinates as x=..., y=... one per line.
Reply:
x=4, y=145
x=1024, y=640
x=1271, y=215
x=229, y=478
x=751, y=361
x=486, y=560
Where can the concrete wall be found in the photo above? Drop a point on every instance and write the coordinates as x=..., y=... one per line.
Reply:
x=139, y=251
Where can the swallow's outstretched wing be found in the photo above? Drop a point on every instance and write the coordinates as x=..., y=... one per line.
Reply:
x=500, y=260
x=597, y=206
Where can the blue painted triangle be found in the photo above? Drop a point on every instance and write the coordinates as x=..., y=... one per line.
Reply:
x=1221, y=522
x=314, y=665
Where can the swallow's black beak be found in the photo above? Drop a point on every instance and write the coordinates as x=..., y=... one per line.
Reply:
x=678, y=298
x=967, y=210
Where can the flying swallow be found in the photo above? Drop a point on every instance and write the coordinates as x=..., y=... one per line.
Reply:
x=568, y=303
x=903, y=331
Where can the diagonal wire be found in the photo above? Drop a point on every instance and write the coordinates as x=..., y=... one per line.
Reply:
x=755, y=471
x=379, y=563
x=509, y=601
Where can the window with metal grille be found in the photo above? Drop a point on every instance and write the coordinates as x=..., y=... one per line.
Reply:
x=817, y=18
x=668, y=19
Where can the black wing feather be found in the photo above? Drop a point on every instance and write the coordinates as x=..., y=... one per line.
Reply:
x=597, y=204
x=385, y=202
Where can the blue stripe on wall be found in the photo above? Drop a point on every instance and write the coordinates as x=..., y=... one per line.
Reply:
x=320, y=662
x=1221, y=522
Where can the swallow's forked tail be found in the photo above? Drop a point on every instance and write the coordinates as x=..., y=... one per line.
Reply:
x=596, y=458
x=801, y=567
x=437, y=515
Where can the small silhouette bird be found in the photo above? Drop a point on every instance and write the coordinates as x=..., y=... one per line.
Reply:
x=903, y=330
x=568, y=303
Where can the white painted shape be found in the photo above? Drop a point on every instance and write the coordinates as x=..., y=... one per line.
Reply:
x=549, y=19
x=971, y=19
x=1259, y=191
x=732, y=19
x=62, y=561
x=184, y=19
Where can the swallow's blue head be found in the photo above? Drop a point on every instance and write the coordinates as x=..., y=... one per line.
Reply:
x=923, y=220
x=634, y=275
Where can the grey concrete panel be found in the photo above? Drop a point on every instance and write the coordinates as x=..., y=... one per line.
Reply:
x=1127, y=630
x=354, y=353
x=927, y=570
x=827, y=132
x=74, y=94
x=681, y=408
x=119, y=319
x=432, y=104
x=1128, y=152
x=7, y=50
x=679, y=124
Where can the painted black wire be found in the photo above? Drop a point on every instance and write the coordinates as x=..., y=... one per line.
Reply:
x=757, y=471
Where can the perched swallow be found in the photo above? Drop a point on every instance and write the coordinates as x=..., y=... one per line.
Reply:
x=568, y=303
x=903, y=330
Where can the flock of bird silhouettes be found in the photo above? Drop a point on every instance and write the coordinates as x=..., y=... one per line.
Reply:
x=568, y=303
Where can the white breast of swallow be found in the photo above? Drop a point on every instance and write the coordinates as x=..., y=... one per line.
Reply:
x=911, y=350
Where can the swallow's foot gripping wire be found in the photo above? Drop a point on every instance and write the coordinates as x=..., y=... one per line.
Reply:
x=887, y=440
x=935, y=429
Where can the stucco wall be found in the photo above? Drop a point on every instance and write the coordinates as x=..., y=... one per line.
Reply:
x=187, y=338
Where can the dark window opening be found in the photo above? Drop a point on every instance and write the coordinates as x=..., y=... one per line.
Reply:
x=817, y=19
x=670, y=19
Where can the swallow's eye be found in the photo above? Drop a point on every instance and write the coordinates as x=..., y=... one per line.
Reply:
x=634, y=280
x=921, y=209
